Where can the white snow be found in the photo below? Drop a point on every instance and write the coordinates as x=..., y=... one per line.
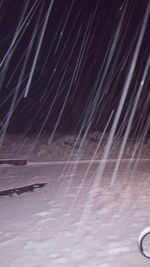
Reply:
x=68, y=147
x=45, y=227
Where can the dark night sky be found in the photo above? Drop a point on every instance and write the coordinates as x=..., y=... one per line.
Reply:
x=72, y=57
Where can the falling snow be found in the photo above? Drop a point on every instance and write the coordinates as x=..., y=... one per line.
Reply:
x=74, y=102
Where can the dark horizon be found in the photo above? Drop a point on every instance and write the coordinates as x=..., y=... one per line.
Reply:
x=73, y=86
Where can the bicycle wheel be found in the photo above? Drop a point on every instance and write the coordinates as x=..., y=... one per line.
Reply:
x=144, y=242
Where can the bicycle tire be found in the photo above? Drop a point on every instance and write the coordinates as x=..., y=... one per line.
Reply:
x=144, y=234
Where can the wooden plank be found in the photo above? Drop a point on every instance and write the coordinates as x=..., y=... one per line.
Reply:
x=20, y=190
x=17, y=162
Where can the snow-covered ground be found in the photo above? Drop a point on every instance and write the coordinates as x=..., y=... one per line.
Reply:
x=55, y=227
x=64, y=147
